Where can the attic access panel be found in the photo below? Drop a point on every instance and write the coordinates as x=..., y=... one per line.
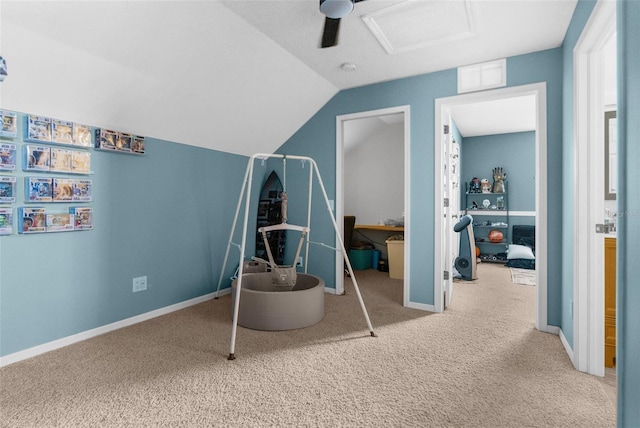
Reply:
x=417, y=24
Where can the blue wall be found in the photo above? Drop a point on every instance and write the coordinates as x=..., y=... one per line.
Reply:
x=628, y=297
x=317, y=139
x=515, y=153
x=166, y=215
x=580, y=17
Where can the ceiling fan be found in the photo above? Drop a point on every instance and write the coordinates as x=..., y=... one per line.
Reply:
x=334, y=10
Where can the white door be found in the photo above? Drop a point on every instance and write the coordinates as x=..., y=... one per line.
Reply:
x=454, y=200
x=449, y=181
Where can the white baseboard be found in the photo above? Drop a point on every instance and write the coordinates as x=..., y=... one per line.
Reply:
x=421, y=306
x=553, y=329
x=79, y=337
x=329, y=290
x=566, y=345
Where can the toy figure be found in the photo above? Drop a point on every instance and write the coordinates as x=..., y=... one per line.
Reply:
x=474, y=185
x=485, y=186
x=498, y=180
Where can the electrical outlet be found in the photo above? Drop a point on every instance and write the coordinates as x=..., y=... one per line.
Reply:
x=300, y=262
x=139, y=284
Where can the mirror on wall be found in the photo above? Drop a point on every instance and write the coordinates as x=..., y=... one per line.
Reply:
x=610, y=152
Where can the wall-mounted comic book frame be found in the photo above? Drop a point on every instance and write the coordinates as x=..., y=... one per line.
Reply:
x=55, y=160
x=61, y=150
x=119, y=142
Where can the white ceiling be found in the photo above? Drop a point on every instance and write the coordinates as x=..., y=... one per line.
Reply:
x=359, y=131
x=504, y=116
x=238, y=76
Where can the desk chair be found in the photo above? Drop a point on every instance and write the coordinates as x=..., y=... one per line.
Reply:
x=349, y=225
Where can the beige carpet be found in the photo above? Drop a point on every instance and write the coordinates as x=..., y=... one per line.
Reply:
x=480, y=364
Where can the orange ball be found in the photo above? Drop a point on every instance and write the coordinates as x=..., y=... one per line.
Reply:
x=477, y=251
x=495, y=236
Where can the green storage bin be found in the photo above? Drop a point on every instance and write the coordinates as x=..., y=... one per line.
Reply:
x=361, y=259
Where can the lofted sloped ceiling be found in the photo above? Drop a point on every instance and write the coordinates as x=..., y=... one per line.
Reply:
x=237, y=76
x=190, y=72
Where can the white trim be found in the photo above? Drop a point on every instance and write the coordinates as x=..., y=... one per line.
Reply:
x=511, y=213
x=439, y=246
x=420, y=306
x=588, y=201
x=79, y=337
x=407, y=206
x=339, y=202
x=566, y=345
x=541, y=207
x=553, y=329
x=540, y=91
x=330, y=290
x=522, y=213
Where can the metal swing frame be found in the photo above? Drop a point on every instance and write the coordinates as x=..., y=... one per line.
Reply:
x=246, y=189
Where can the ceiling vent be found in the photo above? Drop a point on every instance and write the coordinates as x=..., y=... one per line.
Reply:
x=418, y=24
x=486, y=75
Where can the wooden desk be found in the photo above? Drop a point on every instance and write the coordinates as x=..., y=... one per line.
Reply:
x=380, y=227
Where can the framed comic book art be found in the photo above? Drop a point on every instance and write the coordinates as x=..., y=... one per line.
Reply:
x=6, y=221
x=7, y=190
x=33, y=220
x=59, y=222
x=137, y=144
x=60, y=160
x=80, y=162
x=8, y=124
x=36, y=158
x=81, y=135
x=82, y=191
x=106, y=139
x=123, y=142
x=39, y=189
x=61, y=131
x=37, y=129
x=62, y=189
x=7, y=156
x=82, y=218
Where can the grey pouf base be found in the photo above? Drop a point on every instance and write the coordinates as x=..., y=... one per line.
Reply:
x=264, y=308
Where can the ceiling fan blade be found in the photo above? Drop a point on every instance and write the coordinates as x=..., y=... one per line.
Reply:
x=330, y=32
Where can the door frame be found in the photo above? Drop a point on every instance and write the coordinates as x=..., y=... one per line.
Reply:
x=539, y=90
x=588, y=201
x=339, y=203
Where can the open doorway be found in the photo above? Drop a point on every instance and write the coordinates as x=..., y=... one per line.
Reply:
x=444, y=216
x=361, y=150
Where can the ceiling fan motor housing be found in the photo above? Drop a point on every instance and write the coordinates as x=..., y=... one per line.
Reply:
x=336, y=8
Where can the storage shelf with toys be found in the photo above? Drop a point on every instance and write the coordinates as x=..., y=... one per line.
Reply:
x=489, y=205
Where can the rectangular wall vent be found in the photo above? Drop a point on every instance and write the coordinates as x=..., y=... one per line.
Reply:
x=486, y=75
